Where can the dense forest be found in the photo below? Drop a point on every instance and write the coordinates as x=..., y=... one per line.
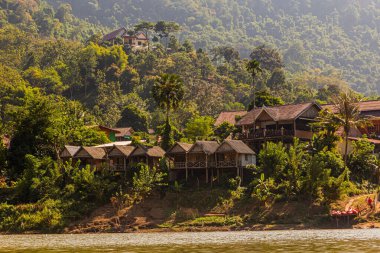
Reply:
x=327, y=34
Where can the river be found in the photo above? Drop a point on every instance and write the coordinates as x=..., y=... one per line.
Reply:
x=226, y=242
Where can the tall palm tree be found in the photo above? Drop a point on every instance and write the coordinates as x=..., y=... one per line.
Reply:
x=168, y=92
x=345, y=114
x=253, y=67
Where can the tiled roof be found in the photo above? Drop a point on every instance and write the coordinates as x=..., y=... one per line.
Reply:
x=278, y=113
x=113, y=35
x=229, y=117
x=208, y=147
x=364, y=106
x=239, y=146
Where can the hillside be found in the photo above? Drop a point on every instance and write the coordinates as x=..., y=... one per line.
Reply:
x=322, y=34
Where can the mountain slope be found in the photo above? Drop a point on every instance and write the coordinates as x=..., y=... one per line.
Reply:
x=343, y=34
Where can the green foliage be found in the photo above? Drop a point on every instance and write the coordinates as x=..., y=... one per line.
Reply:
x=146, y=180
x=272, y=159
x=363, y=162
x=263, y=98
x=224, y=130
x=199, y=128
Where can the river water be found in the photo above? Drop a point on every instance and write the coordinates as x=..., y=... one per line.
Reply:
x=226, y=242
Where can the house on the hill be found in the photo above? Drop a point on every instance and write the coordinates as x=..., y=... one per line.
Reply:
x=136, y=40
x=278, y=123
x=119, y=158
x=124, y=133
x=95, y=157
x=69, y=152
x=178, y=159
x=148, y=155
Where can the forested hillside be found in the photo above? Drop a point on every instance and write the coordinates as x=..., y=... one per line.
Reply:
x=321, y=34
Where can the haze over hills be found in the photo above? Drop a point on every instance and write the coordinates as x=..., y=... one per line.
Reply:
x=323, y=34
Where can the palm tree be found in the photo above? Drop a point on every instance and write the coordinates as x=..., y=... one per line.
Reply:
x=253, y=67
x=168, y=92
x=346, y=115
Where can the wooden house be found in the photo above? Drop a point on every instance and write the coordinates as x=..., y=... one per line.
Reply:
x=178, y=158
x=278, y=123
x=109, y=132
x=148, y=155
x=95, y=157
x=69, y=152
x=201, y=157
x=234, y=155
x=113, y=36
x=124, y=133
x=119, y=157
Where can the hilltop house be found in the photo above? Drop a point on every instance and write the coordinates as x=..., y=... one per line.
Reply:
x=209, y=158
x=137, y=40
x=278, y=123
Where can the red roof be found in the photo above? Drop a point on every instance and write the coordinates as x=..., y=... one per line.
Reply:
x=115, y=34
x=364, y=106
x=229, y=117
x=277, y=113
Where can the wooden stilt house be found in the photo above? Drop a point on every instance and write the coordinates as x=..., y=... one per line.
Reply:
x=148, y=155
x=178, y=159
x=119, y=157
x=234, y=155
x=201, y=156
x=95, y=157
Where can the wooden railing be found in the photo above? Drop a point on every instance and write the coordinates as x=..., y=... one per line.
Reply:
x=266, y=133
x=202, y=164
x=228, y=164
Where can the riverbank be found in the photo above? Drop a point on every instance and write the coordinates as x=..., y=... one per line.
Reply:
x=204, y=211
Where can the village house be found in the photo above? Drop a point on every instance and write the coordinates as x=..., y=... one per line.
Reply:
x=371, y=110
x=147, y=155
x=124, y=134
x=136, y=40
x=206, y=159
x=119, y=157
x=93, y=156
x=278, y=123
x=69, y=152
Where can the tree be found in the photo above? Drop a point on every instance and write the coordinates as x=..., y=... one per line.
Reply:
x=199, y=128
x=168, y=92
x=254, y=69
x=263, y=98
x=145, y=27
x=363, y=162
x=146, y=180
x=269, y=58
x=134, y=117
x=273, y=159
x=346, y=114
x=224, y=130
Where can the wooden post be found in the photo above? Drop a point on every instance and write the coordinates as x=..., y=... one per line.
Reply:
x=206, y=168
x=217, y=172
x=236, y=164
x=187, y=170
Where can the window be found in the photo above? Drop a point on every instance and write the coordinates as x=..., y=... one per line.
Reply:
x=246, y=158
x=139, y=43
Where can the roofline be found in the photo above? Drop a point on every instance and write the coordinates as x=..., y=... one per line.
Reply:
x=177, y=144
x=228, y=142
x=203, y=150
x=307, y=108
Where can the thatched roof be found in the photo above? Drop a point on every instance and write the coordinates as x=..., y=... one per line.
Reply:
x=69, y=151
x=236, y=145
x=277, y=113
x=180, y=147
x=121, y=150
x=155, y=151
x=207, y=147
x=229, y=117
x=93, y=152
